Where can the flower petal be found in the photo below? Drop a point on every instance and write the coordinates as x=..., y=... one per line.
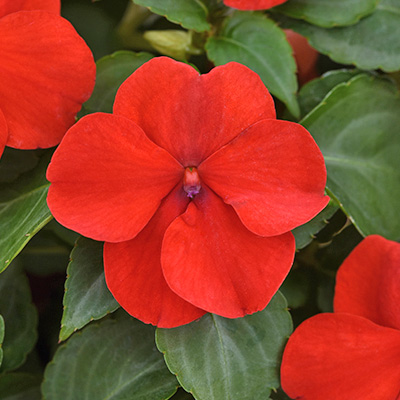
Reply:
x=47, y=73
x=108, y=178
x=342, y=356
x=211, y=260
x=273, y=175
x=199, y=113
x=8, y=7
x=134, y=275
x=3, y=132
x=253, y=4
x=368, y=282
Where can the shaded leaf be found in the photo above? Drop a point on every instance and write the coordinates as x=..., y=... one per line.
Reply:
x=15, y=162
x=114, y=359
x=20, y=318
x=357, y=128
x=256, y=41
x=191, y=14
x=20, y=386
x=1, y=338
x=217, y=358
x=23, y=211
x=111, y=71
x=328, y=13
x=372, y=43
x=86, y=295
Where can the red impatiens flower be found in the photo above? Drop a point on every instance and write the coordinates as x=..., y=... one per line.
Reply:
x=194, y=186
x=353, y=353
x=46, y=73
x=253, y=4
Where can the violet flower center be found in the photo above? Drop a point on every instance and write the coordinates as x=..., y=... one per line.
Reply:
x=191, y=182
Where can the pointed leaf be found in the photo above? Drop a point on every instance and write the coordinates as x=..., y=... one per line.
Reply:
x=111, y=71
x=86, y=295
x=191, y=14
x=361, y=151
x=372, y=43
x=328, y=13
x=20, y=386
x=115, y=359
x=256, y=41
x=20, y=318
x=217, y=358
x=23, y=211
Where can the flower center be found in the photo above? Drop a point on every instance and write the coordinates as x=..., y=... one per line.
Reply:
x=191, y=182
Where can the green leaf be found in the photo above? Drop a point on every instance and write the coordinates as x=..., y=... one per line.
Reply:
x=86, y=295
x=15, y=162
x=217, y=358
x=256, y=41
x=372, y=43
x=328, y=13
x=191, y=14
x=20, y=386
x=20, y=318
x=23, y=211
x=114, y=359
x=112, y=70
x=304, y=234
x=357, y=128
x=1, y=338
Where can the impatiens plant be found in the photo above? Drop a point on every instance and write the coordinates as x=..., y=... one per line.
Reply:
x=174, y=216
x=355, y=350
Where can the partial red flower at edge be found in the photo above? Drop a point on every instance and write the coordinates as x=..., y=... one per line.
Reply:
x=253, y=4
x=46, y=74
x=194, y=186
x=354, y=352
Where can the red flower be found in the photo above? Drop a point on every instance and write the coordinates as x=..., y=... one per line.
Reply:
x=253, y=4
x=353, y=353
x=47, y=72
x=194, y=186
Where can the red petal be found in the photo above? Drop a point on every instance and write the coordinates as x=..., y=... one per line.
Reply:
x=368, y=282
x=190, y=115
x=342, y=356
x=211, y=260
x=273, y=175
x=11, y=6
x=134, y=275
x=253, y=4
x=108, y=178
x=47, y=72
x=3, y=132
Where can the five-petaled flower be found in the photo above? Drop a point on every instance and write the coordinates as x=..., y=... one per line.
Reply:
x=47, y=71
x=194, y=186
x=253, y=4
x=353, y=353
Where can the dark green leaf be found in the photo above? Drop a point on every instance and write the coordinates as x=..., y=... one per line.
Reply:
x=328, y=13
x=217, y=358
x=86, y=295
x=20, y=386
x=20, y=318
x=112, y=70
x=256, y=41
x=191, y=14
x=372, y=43
x=23, y=211
x=14, y=162
x=357, y=128
x=1, y=338
x=114, y=359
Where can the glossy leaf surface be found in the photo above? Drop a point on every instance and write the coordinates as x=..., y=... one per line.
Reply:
x=361, y=151
x=257, y=42
x=86, y=295
x=217, y=358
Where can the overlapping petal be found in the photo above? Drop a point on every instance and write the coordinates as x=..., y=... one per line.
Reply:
x=273, y=175
x=368, y=282
x=3, y=133
x=211, y=260
x=11, y=6
x=134, y=275
x=253, y=4
x=108, y=178
x=47, y=72
x=192, y=115
x=335, y=356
